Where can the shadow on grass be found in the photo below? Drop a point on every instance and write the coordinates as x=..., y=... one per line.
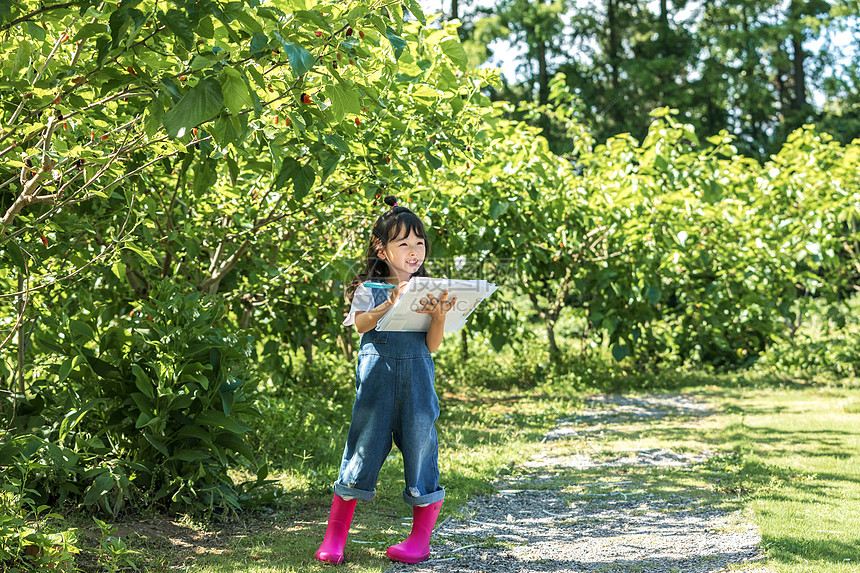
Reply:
x=798, y=550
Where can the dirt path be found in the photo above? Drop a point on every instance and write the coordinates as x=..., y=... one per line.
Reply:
x=584, y=504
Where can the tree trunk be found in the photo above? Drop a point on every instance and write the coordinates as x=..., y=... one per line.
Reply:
x=549, y=319
x=455, y=9
x=464, y=345
x=798, y=102
x=308, y=345
x=612, y=55
x=346, y=345
x=19, y=369
x=554, y=353
x=543, y=75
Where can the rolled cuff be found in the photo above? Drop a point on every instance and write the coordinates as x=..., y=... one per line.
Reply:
x=426, y=499
x=359, y=494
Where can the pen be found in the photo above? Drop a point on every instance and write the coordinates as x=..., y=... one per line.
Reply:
x=371, y=284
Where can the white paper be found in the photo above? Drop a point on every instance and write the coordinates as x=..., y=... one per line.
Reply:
x=402, y=316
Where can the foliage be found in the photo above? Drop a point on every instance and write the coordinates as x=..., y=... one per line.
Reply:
x=705, y=251
x=193, y=186
x=678, y=252
x=114, y=553
x=148, y=409
x=31, y=535
x=305, y=412
x=163, y=150
x=823, y=346
x=747, y=67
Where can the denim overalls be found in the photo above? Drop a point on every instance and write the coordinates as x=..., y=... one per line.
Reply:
x=395, y=399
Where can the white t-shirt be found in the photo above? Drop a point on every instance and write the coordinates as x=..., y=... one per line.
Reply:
x=362, y=301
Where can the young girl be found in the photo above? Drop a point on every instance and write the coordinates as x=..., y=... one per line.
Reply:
x=395, y=398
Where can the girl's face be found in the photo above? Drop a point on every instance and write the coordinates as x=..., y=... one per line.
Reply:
x=404, y=256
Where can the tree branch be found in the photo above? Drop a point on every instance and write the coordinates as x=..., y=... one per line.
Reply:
x=35, y=13
x=211, y=283
x=32, y=186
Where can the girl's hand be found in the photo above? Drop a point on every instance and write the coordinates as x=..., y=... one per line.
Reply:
x=437, y=308
x=395, y=294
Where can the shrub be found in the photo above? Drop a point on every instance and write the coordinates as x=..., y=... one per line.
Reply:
x=143, y=409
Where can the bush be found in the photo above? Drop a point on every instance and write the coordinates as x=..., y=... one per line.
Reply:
x=305, y=412
x=143, y=409
x=31, y=537
x=826, y=343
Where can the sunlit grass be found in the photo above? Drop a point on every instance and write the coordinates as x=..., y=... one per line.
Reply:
x=787, y=457
x=809, y=443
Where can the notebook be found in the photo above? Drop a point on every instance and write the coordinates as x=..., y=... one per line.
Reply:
x=402, y=316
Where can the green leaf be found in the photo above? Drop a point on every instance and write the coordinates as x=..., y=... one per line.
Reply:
x=356, y=13
x=88, y=31
x=143, y=420
x=157, y=444
x=343, y=101
x=142, y=381
x=234, y=90
x=435, y=162
x=233, y=169
x=300, y=59
x=202, y=102
x=16, y=253
x=102, y=485
x=65, y=368
x=398, y=43
x=250, y=24
x=155, y=115
x=338, y=142
x=262, y=472
x=713, y=192
x=259, y=43
x=497, y=208
x=328, y=162
x=303, y=177
x=315, y=17
x=220, y=420
x=236, y=444
x=193, y=431
x=81, y=331
x=37, y=32
x=230, y=386
x=454, y=50
x=143, y=403
x=5, y=9
x=416, y=10
x=179, y=26
x=227, y=401
x=145, y=255
x=498, y=341
x=205, y=28
x=620, y=352
x=120, y=23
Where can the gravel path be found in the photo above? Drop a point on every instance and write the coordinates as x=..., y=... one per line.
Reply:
x=572, y=507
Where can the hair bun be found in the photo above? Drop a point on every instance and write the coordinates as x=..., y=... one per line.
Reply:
x=390, y=200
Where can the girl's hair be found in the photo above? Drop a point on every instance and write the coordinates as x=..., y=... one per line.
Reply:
x=397, y=221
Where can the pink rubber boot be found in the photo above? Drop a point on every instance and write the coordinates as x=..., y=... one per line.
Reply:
x=416, y=547
x=339, y=520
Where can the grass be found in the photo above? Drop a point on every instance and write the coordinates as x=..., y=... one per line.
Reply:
x=481, y=434
x=788, y=457
x=798, y=450
x=477, y=441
